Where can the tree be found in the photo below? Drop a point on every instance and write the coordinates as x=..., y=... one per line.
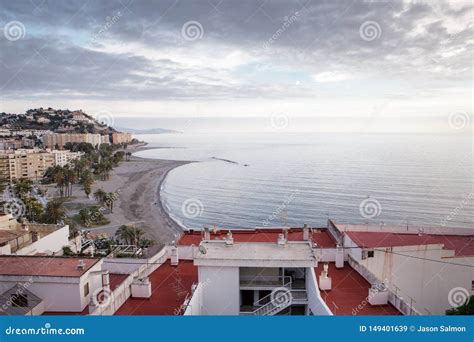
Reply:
x=34, y=209
x=129, y=234
x=23, y=187
x=466, y=309
x=54, y=212
x=99, y=196
x=109, y=199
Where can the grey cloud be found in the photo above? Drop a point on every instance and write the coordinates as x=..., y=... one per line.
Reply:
x=55, y=57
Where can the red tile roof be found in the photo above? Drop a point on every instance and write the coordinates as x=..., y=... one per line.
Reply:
x=44, y=266
x=461, y=244
x=349, y=293
x=9, y=235
x=170, y=286
x=320, y=236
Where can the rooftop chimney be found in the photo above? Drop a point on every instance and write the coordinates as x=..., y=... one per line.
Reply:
x=305, y=232
x=207, y=233
x=81, y=264
x=281, y=240
x=229, y=240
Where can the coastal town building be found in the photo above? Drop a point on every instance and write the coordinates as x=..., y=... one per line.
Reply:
x=309, y=271
x=35, y=285
x=60, y=139
x=32, y=163
x=332, y=270
x=31, y=238
x=119, y=137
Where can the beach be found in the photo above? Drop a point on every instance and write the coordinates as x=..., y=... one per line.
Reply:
x=137, y=183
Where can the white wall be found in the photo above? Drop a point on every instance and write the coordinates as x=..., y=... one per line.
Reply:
x=315, y=303
x=52, y=242
x=58, y=293
x=425, y=282
x=194, y=307
x=221, y=295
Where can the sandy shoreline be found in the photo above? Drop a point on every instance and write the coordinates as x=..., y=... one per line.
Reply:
x=138, y=182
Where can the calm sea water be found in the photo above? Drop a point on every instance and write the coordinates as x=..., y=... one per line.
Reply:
x=273, y=179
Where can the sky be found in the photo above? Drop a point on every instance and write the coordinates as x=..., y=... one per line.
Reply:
x=391, y=63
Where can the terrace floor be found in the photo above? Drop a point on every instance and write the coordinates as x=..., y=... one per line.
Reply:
x=349, y=293
x=170, y=286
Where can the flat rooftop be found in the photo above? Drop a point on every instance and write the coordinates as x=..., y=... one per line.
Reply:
x=170, y=285
x=9, y=235
x=320, y=236
x=293, y=252
x=44, y=266
x=463, y=245
x=349, y=293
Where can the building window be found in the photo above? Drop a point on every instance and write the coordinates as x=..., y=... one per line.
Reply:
x=86, y=289
x=19, y=300
x=370, y=254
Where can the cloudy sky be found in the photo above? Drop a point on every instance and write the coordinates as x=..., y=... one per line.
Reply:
x=398, y=60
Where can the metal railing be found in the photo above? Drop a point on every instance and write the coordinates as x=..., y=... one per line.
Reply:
x=264, y=281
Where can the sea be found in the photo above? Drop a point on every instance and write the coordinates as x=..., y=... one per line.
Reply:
x=248, y=180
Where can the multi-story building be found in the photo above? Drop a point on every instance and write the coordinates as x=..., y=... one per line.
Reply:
x=119, y=137
x=60, y=139
x=64, y=157
x=337, y=270
x=32, y=163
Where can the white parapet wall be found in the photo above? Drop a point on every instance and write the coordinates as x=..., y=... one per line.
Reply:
x=51, y=243
x=316, y=304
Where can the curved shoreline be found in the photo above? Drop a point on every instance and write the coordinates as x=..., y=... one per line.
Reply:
x=159, y=205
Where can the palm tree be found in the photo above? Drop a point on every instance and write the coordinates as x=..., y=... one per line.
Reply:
x=109, y=199
x=99, y=196
x=54, y=211
x=129, y=234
